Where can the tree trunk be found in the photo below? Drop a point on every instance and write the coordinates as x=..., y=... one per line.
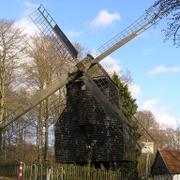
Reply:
x=46, y=129
x=0, y=143
x=2, y=94
x=2, y=102
x=40, y=134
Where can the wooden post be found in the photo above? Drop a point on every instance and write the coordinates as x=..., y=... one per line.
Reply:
x=147, y=166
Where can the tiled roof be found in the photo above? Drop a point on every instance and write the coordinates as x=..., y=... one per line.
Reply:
x=171, y=159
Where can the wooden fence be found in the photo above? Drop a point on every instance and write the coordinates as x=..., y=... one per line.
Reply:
x=61, y=172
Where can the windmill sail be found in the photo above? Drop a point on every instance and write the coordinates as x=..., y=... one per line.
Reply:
x=48, y=27
x=151, y=16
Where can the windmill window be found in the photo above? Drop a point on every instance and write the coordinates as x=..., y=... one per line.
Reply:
x=102, y=83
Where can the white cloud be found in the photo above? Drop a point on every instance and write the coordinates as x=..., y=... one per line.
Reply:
x=29, y=6
x=149, y=104
x=104, y=19
x=24, y=22
x=73, y=33
x=164, y=69
x=27, y=25
x=111, y=65
x=135, y=90
x=161, y=113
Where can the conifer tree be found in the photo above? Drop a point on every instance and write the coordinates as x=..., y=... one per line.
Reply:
x=129, y=107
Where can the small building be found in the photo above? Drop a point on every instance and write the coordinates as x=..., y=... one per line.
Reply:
x=166, y=165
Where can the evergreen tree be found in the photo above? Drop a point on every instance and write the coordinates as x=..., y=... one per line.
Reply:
x=129, y=107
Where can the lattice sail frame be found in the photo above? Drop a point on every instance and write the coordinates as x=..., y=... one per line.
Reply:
x=48, y=27
x=151, y=16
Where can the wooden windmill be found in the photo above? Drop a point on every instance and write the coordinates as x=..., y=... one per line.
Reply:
x=94, y=82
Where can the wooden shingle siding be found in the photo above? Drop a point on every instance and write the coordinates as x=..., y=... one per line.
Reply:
x=84, y=132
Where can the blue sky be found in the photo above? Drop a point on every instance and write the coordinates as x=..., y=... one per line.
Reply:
x=153, y=64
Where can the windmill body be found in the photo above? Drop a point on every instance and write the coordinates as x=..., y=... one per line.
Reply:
x=84, y=133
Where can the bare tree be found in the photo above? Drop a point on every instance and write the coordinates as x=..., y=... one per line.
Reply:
x=172, y=8
x=45, y=66
x=11, y=48
x=148, y=120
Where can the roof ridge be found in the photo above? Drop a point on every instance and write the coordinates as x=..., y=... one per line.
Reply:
x=170, y=160
x=163, y=160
